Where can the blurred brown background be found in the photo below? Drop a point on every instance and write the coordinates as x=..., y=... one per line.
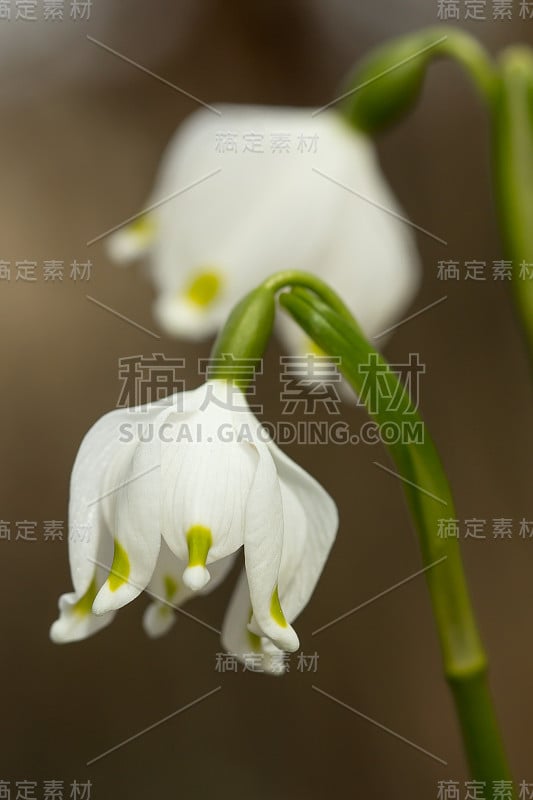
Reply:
x=81, y=136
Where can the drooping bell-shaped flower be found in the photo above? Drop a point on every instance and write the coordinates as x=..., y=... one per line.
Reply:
x=260, y=189
x=163, y=497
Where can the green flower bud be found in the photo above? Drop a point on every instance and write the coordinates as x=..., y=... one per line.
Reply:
x=387, y=83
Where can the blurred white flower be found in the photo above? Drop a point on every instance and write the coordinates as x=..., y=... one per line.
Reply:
x=264, y=195
x=162, y=498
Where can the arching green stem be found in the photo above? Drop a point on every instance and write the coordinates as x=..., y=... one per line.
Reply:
x=386, y=84
x=289, y=279
x=429, y=498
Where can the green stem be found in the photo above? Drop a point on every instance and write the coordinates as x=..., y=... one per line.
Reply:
x=472, y=56
x=429, y=498
x=292, y=278
x=479, y=727
x=244, y=337
x=387, y=83
x=513, y=171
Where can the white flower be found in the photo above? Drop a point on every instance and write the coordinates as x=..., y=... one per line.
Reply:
x=162, y=498
x=263, y=198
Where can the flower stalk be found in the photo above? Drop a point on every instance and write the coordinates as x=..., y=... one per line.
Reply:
x=323, y=316
x=513, y=172
x=245, y=335
x=386, y=85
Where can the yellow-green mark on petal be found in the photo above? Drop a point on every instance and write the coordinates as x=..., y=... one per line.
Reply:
x=171, y=587
x=204, y=288
x=253, y=638
x=143, y=226
x=275, y=609
x=84, y=604
x=120, y=568
x=199, y=540
x=255, y=642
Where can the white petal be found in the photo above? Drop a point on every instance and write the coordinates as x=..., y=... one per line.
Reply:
x=133, y=500
x=303, y=562
x=101, y=463
x=169, y=591
x=158, y=619
x=73, y=625
x=206, y=478
x=89, y=532
x=263, y=542
x=98, y=451
x=258, y=213
x=371, y=260
x=180, y=317
x=295, y=534
x=76, y=621
x=136, y=531
x=131, y=241
x=257, y=653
